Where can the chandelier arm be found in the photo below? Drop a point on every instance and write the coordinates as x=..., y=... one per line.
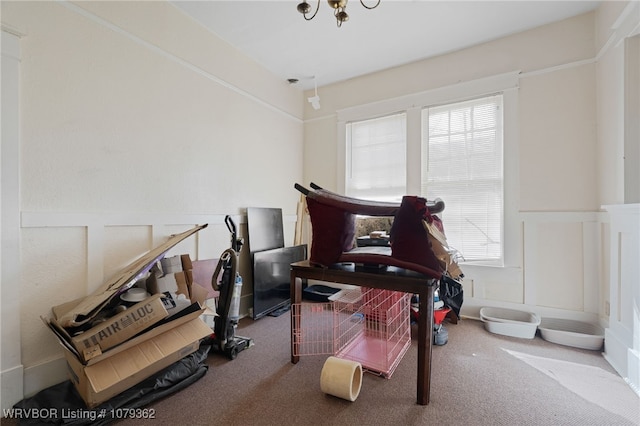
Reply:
x=369, y=7
x=339, y=7
x=341, y=15
x=304, y=15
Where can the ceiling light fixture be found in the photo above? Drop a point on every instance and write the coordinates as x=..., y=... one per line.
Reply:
x=338, y=6
x=315, y=100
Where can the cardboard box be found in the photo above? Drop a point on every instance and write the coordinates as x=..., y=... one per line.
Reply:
x=188, y=314
x=117, y=371
x=171, y=265
x=182, y=280
x=184, y=283
x=162, y=284
x=187, y=265
x=142, y=329
x=107, y=359
x=131, y=322
x=202, y=272
x=120, y=327
x=209, y=315
x=85, y=310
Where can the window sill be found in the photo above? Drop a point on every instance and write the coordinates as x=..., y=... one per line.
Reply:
x=495, y=270
x=483, y=263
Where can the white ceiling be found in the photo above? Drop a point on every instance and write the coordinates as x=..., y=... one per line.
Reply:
x=397, y=32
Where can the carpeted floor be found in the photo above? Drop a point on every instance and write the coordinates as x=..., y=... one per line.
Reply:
x=478, y=378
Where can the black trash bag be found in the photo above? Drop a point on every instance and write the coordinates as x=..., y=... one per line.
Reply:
x=61, y=405
x=451, y=293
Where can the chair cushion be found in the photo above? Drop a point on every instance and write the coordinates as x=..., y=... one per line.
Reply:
x=409, y=238
x=333, y=232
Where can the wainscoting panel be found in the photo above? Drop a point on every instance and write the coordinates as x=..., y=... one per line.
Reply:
x=559, y=267
x=622, y=337
x=66, y=256
x=559, y=275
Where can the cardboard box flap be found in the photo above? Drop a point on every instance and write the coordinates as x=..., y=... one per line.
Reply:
x=111, y=371
x=89, y=306
x=121, y=327
x=63, y=337
x=182, y=317
x=65, y=307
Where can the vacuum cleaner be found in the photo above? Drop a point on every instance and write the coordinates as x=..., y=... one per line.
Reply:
x=229, y=286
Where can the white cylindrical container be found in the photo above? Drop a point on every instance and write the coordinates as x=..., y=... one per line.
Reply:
x=341, y=378
x=234, y=309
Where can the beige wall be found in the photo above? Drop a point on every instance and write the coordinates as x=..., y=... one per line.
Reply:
x=550, y=158
x=614, y=23
x=556, y=117
x=566, y=160
x=135, y=123
x=557, y=124
x=136, y=117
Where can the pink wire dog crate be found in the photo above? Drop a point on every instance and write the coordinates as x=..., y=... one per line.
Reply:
x=366, y=325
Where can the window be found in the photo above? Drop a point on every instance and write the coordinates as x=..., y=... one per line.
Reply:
x=376, y=158
x=459, y=159
x=462, y=164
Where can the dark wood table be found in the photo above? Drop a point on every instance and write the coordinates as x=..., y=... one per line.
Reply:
x=391, y=278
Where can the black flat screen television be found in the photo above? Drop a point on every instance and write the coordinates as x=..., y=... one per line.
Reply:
x=271, y=279
x=265, y=228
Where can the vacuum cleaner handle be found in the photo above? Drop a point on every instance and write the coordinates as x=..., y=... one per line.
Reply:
x=231, y=226
x=236, y=243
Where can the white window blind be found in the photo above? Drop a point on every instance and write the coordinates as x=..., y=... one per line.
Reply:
x=462, y=164
x=376, y=158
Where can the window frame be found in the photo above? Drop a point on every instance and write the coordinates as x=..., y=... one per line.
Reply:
x=349, y=188
x=506, y=84
x=495, y=99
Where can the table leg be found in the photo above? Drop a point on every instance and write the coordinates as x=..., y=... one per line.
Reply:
x=425, y=344
x=296, y=299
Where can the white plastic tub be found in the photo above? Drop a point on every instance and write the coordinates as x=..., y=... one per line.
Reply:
x=510, y=322
x=574, y=333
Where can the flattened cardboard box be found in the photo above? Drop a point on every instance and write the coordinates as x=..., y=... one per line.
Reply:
x=143, y=328
x=118, y=328
x=95, y=354
x=74, y=315
x=101, y=381
x=186, y=315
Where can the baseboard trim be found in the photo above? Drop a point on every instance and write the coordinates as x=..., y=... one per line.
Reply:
x=633, y=370
x=44, y=375
x=617, y=354
x=12, y=386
